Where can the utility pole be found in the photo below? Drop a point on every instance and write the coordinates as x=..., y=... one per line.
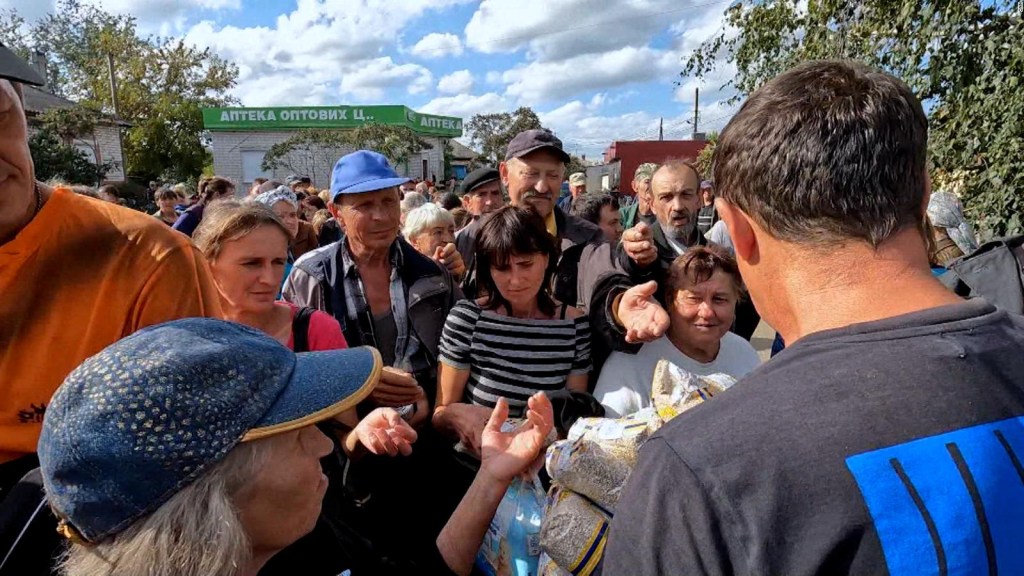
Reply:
x=661, y=128
x=117, y=113
x=696, y=110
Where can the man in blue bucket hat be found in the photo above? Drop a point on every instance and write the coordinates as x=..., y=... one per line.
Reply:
x=192, y=447
x=387, y=295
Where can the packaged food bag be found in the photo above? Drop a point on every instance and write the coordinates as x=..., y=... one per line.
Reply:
x=675, y=390
x=575, y=532
x=549, y=567
x=511, y=546
x=588, y=469
x=621, y=437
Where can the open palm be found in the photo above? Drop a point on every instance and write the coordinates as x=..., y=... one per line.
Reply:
x=504, y=455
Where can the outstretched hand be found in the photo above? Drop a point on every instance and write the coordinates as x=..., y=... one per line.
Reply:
x=449, y=257
x=505, y=455
x=383, y=431
x=638, y=242
x=641, y=315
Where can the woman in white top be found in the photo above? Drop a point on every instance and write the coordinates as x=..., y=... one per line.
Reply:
x=702, y=290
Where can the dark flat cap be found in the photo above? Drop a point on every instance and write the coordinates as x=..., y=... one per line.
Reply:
x=478, y=177
x=15, y=69
x=532, y=140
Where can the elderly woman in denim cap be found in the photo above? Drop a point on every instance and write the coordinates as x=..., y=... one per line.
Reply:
x=189, y=448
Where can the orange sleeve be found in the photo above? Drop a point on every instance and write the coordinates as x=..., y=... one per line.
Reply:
x=181, y=286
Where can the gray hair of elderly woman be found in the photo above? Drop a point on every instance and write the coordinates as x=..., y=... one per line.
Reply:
x=412, y=201
x=424, y=218
x=195, y=533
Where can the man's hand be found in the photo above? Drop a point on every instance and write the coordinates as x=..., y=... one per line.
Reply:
x=449, y=257
x=504, y=455
x=638, y=242
x=384, y=432
x=396, y=388
x=641, y=315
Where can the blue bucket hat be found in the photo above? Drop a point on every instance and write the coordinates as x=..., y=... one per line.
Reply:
x=363, y=171
x=148, y=415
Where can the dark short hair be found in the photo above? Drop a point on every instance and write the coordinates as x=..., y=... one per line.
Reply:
x=258, y=181
x=507, y=232
x=108, y=189
x=165, y=193
x=588, y=206
x=827, y=151
x=450, y=201
x=316, y=202
x=697, y=265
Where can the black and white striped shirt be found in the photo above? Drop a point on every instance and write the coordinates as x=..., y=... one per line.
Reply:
x=513, y=357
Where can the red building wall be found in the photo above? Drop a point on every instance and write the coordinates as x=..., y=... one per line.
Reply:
x=632, y=154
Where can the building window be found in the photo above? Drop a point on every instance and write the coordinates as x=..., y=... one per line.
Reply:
x=426, y=175
x=251, y=169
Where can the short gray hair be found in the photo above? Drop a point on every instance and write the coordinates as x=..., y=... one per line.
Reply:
x=197, y=532
x=412, y=201
x=424, y=218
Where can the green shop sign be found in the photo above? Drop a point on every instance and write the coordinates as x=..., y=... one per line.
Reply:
x=293, y=117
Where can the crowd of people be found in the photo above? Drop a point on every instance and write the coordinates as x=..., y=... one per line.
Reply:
x=284, y=380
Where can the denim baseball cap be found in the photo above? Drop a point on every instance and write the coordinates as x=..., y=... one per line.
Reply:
x=363, y=171
x=148, y=415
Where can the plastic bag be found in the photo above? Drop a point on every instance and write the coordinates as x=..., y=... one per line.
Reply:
x=575, y=532
x=675, y=390
x=511, y=546
x=588, y=469
x=620, y=437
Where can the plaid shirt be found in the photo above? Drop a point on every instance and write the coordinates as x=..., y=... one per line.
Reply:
x=358, y=310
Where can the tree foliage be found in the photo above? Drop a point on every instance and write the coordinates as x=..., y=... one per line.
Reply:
x=964, y=59
x=314, y=151
x=491, y=133
x=55, y=159
x=162, y=83
x=706, y=155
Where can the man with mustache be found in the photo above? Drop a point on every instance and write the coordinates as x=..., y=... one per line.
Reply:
x=532, y=172
x=649, y=250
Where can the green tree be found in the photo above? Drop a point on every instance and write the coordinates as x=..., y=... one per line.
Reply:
x=964, y=59
x=55, y=159
x=706, y=155
x=575, y=165
x=162, y=83
x=491, y=133
x=398, y=143
x=309, y=152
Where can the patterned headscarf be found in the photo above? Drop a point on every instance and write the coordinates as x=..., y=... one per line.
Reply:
x=276, y=195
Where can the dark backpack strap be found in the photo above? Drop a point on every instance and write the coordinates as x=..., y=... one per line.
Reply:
x=561, y=315
x=300, y=329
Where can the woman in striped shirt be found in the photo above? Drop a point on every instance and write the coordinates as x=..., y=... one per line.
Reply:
x=516, y=339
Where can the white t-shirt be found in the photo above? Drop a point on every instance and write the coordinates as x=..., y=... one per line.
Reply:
x=719, y=234
x=624, y=385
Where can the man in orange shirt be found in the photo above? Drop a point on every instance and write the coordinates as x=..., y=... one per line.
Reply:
x=76, y=274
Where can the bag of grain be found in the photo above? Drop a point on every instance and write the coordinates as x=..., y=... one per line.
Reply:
x=586, y=468
x=622, y=437
x=574, y=532
x=511, y=545
x=675, y=390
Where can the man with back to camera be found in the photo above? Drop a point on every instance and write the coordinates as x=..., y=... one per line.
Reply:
x=888, y=437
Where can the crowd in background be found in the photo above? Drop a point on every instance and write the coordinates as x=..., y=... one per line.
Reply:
x=250, y=381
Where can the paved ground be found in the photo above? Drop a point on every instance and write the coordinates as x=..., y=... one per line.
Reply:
x=762, y=340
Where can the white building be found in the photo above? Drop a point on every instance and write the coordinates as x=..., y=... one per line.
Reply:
x=241, y=137
x=101, y=145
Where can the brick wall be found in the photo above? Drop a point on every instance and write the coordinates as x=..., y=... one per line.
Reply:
x=228, y=147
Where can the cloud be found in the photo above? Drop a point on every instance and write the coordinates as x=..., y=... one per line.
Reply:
x=560, y=30
x=539, y=82
x=435, y=45
x=321, y=49
x=466, y=106
x=460, y=82
x=373, y=79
